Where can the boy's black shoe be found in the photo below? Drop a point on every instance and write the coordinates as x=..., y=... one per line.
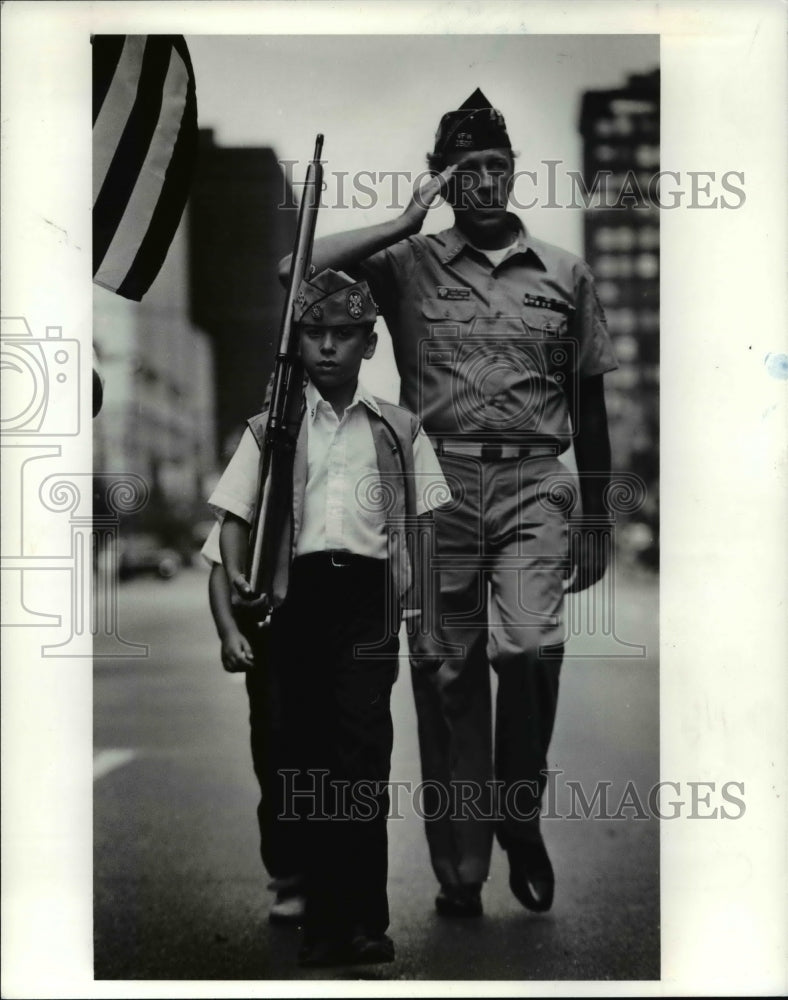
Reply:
x=287, y=908
x=459, y=901
x=320, y=954
x=531, y=877
x=372, y=950
x=362, y=950
x=289, y=905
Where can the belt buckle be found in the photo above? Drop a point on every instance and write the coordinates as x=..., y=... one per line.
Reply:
x=338, y=565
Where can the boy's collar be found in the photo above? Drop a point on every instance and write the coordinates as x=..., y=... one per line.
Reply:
x=361, y=395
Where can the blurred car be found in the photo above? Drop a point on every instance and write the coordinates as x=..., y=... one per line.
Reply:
x=143, y=553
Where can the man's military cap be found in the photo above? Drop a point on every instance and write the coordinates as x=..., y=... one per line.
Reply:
x=333, y=298
x=476, y=124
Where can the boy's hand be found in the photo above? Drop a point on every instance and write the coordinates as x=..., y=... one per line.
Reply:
x=245, y=605
x=236, y=653
x=425, y=194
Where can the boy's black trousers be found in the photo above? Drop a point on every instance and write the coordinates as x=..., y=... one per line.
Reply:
x=322, y=739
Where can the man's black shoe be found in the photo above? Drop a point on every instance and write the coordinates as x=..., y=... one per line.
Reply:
x=459, y=901
x=362, y=950
x=531, y=877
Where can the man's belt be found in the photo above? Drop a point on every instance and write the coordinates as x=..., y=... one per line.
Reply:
x=489, y=450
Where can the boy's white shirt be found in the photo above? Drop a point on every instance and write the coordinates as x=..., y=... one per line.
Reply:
x=342, y=477
x=210, y=550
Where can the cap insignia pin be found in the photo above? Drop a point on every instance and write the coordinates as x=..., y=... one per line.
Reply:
x=355, y=304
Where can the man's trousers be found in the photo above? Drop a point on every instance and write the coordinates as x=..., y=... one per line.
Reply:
x=501, y=547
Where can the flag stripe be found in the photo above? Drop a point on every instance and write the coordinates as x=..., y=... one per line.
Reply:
x=144, y=150
x=106, y=54
x=148, y=190
x=172, y=200
x=132, y=149
x=121, y=92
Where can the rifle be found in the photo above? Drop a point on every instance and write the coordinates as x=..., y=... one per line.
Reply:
x=275, y=470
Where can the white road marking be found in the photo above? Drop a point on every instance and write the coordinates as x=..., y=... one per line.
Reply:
x=105, y=761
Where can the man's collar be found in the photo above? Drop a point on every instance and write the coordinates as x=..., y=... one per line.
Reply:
x=456, y=242
x=361, y=395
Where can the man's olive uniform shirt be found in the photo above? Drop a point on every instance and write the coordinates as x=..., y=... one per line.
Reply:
x=486, y=352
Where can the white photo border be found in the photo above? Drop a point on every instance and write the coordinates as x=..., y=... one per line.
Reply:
x=724, y=691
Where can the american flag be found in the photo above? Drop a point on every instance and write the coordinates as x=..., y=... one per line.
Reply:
x=144, y=151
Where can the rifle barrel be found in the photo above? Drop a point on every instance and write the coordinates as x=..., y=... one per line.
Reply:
x=277, y=452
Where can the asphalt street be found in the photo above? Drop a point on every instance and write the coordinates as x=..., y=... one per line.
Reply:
x=179, y=890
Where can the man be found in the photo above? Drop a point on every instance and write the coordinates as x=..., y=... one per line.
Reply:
x=500, y=342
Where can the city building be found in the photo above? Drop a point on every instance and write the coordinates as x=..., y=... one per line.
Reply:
x=242, y=221
x=620, y=130
x=158, y=415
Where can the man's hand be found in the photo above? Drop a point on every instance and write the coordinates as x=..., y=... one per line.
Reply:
x=591, y=532
x=425, y=194
x=236, y=653
x=590, y=553
x=247, y=608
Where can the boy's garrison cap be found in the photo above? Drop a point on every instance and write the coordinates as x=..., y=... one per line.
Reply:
x=333, y=298
x=476, y=124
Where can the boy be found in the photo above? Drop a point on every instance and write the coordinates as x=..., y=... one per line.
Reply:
x=362, y=468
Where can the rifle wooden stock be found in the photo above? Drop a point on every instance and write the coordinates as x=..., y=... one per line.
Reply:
x=275, y=470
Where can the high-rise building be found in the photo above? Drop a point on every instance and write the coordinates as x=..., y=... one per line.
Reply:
x=157, y=419
x=242, y=221
x=620, y=130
